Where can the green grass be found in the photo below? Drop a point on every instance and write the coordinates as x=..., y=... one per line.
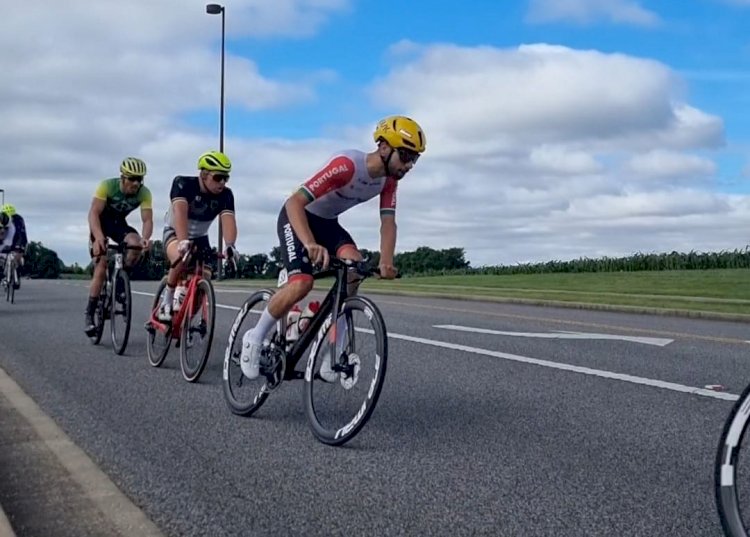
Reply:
x=724, y=291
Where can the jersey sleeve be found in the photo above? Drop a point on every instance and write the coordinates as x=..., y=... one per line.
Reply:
x=388, y=197
x=101, y=191
x=228, y=202
x=334, y=175
x=145, y=197
x=179, y=189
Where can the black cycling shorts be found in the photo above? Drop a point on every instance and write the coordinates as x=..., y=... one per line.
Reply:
x=327, y=232
x=203, y=250
x=114, y=229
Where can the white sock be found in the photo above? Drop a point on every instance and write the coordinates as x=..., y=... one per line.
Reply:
x=168, y=295
x=266, y=323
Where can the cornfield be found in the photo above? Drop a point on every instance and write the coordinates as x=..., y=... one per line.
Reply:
x=637, y=262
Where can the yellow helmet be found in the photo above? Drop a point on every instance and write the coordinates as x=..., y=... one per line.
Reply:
x=132, y=166
x=215, y=161
x=400, y=131
x=8, y=209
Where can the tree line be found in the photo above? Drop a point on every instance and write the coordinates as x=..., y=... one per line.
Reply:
x=42, y=262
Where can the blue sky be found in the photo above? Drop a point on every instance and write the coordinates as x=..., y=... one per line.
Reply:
x=556, y=128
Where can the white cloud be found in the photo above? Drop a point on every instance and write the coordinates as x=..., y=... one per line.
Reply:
x=545, y=152
x=588, y=11
x=670, y=165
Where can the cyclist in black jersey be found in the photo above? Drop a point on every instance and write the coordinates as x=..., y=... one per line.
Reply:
x=195, y=202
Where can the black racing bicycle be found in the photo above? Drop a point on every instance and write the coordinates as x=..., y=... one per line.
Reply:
x=732, y=470
x=347, y=331
x=115, y=300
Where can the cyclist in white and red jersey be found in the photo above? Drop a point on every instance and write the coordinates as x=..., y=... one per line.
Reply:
x=308, y=227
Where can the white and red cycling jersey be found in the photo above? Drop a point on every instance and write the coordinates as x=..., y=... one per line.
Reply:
x=343, y=183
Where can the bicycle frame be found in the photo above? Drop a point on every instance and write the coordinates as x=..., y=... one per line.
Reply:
x=188, y=304
x=331, y=305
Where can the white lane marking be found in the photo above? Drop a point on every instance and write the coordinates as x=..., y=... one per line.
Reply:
x=572, y=368
x=234, y=308
x=562, y=334
x=553, y=365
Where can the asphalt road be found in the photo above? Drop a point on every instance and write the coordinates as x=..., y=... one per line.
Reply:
x=548, y=422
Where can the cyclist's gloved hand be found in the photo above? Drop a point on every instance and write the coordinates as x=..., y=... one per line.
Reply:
x=388, y=272
x=183, y=247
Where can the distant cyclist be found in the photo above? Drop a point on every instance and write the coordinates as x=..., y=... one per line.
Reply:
x=195, y=202
x=309, y=230
x=15, y=240
x=113, y=200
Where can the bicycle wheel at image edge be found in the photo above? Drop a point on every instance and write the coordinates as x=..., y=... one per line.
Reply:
x=244, y=396
x=121, y=307
x=337, y=410
x=196, y=338
x=157, y=342
x=732, y=470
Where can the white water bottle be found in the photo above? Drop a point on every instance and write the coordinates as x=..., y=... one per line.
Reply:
x=179, y=295
x=292, y=323
x=307, y=314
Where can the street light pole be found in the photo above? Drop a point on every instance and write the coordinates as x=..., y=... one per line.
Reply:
x=215, y=9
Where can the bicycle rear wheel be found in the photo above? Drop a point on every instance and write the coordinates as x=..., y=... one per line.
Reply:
x=338, y=408
x=243, y=395
x=732, y=470
x=159, y=339
x=121, y=311
x=197, y=331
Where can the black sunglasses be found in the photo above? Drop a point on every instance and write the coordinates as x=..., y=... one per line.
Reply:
x=134, y=178
x=220, y=177
x=407, y=155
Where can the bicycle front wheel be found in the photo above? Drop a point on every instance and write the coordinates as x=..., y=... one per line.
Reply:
x=100, y=313
x=732, y=470
x=121, y=311
x=12, y=283
x=243, y=395
x=197, y=331
x=159, y=337
x=339, y=401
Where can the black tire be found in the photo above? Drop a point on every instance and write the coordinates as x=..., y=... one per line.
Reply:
x=730, y=457
x=243, y=395
x=99, y=316
x=157, y=342
x=338, y=410
x=193, y=358
x=121, y=308
x=12, y=277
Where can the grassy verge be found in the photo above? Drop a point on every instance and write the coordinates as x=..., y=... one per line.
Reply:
x=724, y=291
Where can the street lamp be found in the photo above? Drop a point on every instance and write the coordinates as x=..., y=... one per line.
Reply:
x=216, y=9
